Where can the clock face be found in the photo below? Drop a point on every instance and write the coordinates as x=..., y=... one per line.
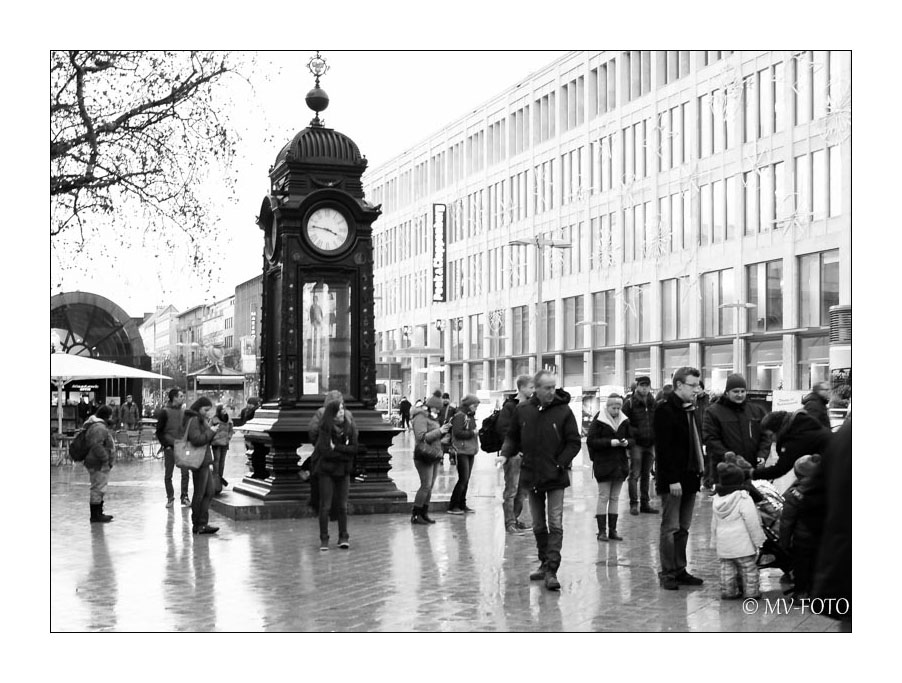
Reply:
x=327, y=229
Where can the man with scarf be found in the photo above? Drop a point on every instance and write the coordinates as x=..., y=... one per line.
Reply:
x=679, y=467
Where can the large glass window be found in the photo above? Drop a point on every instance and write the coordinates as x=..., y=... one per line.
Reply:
x=457, y=338
x=327, y=336
x=814, y=361
x=477, y=378
x=456, y=390
x=603, y=368
x=818, y=287
x=675, y=317
x=765, y=290
x=638, y=313
x=717, y=363
x=520, y=331
x=638, y=362
x=549, y=321
x=717, y=289
x=674, y=358
x=765, y=368
x=477, y=332
x=573, y=370
x=603, y=310
x=573, y=313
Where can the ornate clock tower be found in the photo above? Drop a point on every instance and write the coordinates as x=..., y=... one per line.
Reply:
x=317, y=318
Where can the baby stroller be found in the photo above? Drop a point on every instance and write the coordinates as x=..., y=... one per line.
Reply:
x=771, y=554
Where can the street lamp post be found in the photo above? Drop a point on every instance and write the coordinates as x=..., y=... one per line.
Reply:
x=737, y=341
x=540, y=243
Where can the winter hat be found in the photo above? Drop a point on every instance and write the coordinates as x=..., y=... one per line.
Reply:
x=729, y=474
x=775, y=421
x=643, y=379
x=806, y=465
x=740, y=462
x=434, y=402
x=735, y=381
x=469, y=400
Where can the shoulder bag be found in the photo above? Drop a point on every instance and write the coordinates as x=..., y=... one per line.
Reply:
x=187, y=454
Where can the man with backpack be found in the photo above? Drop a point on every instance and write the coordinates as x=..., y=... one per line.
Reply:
x=170, y=428
x=515, y=496
x=99, y=459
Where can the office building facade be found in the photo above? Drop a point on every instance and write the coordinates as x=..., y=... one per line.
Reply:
x=678, y=193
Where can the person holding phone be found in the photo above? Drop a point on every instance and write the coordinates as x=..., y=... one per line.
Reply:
x=609, y=440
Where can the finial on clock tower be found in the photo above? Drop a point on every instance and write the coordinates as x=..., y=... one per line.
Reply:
x=317, y=99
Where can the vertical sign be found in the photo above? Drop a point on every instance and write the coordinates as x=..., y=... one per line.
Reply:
x=438, y=251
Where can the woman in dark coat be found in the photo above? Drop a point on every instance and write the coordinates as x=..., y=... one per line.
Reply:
x=609, y=440
x=200, y=433
x=796, y=434
x=334, y=452
x=465, y=446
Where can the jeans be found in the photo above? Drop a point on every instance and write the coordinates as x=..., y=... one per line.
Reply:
x=676, y=516
x=459, y=494
x=219, y=456
x=99, y=479
x=515, y=496
x=608, y=496
x=549, y=534
x=339, y=487
x=428, y=472
x=169, y=461
x=641, y=460
x=203, y=495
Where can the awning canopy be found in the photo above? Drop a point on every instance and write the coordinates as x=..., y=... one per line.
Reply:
x=217, y=375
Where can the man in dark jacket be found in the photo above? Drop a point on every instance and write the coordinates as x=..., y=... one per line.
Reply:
x=678, y=471
x=639, y=408
x=796, y=434
x=129, y=413
x=515, y=495
x=544, y=429
x=404, y=410
x=170, y=428
x=733, y=425
x=816, y=403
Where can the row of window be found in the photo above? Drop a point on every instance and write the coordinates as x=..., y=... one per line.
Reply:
x=759, y=99
x=818, y=290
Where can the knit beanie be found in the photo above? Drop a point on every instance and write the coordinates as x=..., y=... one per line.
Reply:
x=774, y=421
x=469, y=400
x=434, y=402
x=729, y=474
x=740, y=462
x=735, y=381
x=806, y=465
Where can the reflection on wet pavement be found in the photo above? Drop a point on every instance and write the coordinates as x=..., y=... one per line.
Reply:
x=146, y=572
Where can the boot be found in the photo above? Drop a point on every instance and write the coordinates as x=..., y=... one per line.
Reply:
x=416, y=516
x=424, y=515
x=97, y=513
x=602, y=534
x=634, y=508
x=612, y=528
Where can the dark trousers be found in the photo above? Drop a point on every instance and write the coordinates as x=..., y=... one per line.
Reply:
x=219, y=456
x=641, y=460
x=338, y=487
x=203, y=495
x=405, y=420
x=676, y=516
x=464, y=469
x=548, y=528
x=169, y=462
x=803, y=566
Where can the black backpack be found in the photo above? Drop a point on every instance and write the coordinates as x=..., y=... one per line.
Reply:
x=79, y=448
x=490, y=440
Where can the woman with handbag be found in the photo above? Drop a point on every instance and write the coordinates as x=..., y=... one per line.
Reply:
x=199, y=434
x=608, y=441
x=464, y=446
x=335, y=450
x=427, y=455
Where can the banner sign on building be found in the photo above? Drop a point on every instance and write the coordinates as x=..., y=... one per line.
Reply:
x=438, y=251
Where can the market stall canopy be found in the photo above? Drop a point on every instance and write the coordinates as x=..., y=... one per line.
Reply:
x=65, y=367
x=217, y=374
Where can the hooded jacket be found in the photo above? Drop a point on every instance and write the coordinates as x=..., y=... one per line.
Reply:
x=608, y=461
x=199, y=434
x=675, y=457
x=735, y=427
x=804, y=511
x=549, y=439
x=427, y=435
x=735, y=525
x=463, y=433
x=801, y=435
x=816, y=406
x=100, y=444
x=641, y=414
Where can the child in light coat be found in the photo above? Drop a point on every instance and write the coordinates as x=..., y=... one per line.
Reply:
x=737, y=533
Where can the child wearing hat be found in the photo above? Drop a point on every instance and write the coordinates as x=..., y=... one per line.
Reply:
x=737, y=533
x=802, y=521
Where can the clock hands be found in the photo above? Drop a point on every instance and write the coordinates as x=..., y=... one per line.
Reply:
x=320, y=227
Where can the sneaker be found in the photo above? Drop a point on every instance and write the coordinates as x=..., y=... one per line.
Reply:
x=455, y=511
x=687, y=579
x=170, y=502
x=551, y=582
x=523, y=526
x=634, y=508
x=466, y=509
x=324, y=545
x=207, y=529
x=185, y=501
x=648, y=510
x=669, y=583
x=513, y=530
x=344, y=545
x=538, y=574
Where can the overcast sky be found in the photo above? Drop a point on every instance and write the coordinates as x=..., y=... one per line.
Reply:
x=387, y=102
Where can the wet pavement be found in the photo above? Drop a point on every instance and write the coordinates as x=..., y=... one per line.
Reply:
x=146, y=572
